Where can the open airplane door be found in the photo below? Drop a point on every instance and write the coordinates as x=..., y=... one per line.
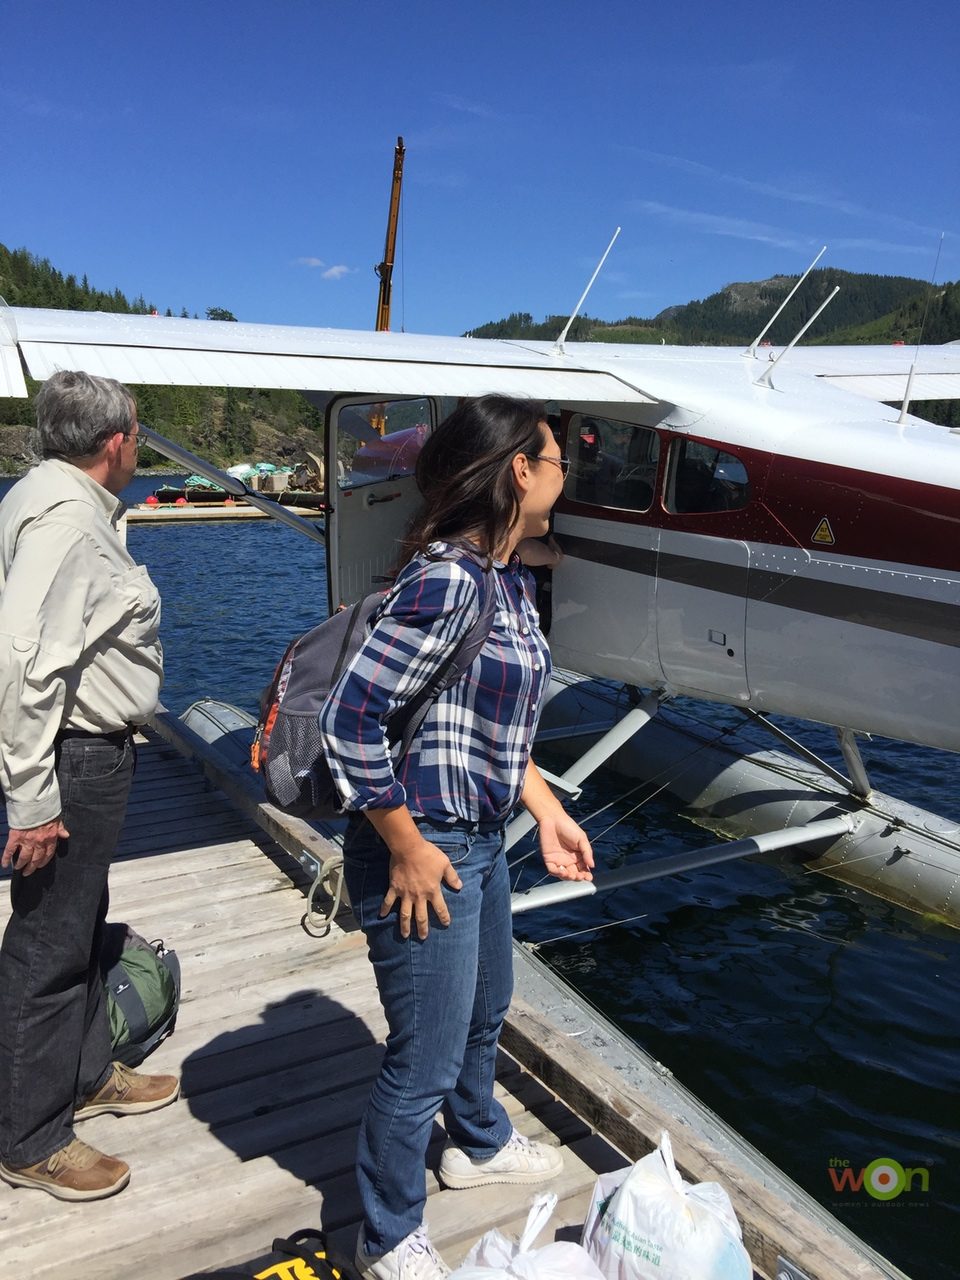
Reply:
x=371, y=453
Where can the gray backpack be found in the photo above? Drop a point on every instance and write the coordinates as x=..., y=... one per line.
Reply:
x=287, y=751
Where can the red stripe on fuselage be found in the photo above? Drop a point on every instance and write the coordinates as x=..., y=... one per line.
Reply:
x=871, y=516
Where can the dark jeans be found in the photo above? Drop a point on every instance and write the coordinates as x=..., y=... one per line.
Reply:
x=55, y=1045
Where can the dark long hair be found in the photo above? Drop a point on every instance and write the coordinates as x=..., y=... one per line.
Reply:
x=465, y=473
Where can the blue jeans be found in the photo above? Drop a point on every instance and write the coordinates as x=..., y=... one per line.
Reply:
x=55, y=1044
x=445, y=999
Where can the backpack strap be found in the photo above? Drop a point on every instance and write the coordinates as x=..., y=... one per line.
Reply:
x=412, y=716
x=130, y=1003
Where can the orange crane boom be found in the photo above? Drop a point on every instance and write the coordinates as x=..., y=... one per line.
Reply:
x=385, y=268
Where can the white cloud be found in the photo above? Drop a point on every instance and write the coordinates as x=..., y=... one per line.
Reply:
x=336, y=272
x=736, y=228
x=880, y=246
x=803, y=189
x=436, y=137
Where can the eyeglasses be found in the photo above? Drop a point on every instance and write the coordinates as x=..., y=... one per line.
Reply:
x=562, y=463
x=137, y=439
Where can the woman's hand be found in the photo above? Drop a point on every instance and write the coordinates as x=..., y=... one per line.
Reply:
x=565, y=848
x=416, y=876
x=563, y=843
x=417, y=870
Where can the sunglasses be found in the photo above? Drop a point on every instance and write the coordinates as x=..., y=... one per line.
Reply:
x=562, y=463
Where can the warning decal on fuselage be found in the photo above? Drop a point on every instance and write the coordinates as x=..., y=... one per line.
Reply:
x=823, y=534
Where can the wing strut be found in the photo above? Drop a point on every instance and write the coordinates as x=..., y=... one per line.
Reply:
x=858, y=784
x=860, y=781
x=767, y=842
x=615, y=737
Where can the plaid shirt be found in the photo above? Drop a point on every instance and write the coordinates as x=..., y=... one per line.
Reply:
x=469, y=759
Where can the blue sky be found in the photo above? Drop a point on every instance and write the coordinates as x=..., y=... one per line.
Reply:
x=239, y=154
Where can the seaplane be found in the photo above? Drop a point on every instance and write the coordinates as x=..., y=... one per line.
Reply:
x=769, y=529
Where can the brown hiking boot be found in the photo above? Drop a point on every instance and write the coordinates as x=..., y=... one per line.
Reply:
x=75, y=1172
x=127, y=1093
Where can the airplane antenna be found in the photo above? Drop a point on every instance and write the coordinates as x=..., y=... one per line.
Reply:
x=752, y=352
x=905, y=406
x=764, y=379
x=558, y=345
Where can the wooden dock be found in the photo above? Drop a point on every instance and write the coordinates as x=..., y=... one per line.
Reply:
x=278, y=1040
x=208, y=511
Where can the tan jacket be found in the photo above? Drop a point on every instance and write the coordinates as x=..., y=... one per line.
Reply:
x=79, y=630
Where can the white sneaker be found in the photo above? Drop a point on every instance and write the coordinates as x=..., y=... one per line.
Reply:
x=414, y=1258
x=520, y=1160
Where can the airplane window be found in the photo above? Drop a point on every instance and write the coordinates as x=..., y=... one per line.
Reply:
x=613, y=464
x=380, y=440
x=706, y=479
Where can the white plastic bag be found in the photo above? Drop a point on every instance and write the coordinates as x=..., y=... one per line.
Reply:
x=494, y=1257
x=646, y=1223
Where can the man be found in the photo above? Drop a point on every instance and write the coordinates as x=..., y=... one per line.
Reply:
x=80, y=666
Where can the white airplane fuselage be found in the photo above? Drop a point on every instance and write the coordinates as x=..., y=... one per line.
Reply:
x=793, y=551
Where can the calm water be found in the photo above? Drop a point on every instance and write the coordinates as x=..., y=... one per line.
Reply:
x=817, y=1020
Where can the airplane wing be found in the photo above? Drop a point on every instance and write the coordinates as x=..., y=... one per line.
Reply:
x=881, y=372
x=176, y=352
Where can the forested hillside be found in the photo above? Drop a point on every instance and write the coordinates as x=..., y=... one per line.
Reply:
x=868, y=308
x=232, y=425
x=221, y=424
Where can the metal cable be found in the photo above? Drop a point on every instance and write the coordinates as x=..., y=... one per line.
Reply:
x=608, y=924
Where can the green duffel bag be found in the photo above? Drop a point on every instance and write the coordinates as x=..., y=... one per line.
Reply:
x=142, y=984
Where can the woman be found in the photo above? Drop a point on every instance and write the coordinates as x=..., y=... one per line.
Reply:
x=423, y=855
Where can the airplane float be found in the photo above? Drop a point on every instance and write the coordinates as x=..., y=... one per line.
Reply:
x=757, y=528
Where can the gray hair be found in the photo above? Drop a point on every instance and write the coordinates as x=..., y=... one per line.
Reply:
x=77, y=413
